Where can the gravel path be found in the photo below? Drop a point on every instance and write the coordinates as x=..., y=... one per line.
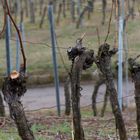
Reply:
x=42, y=97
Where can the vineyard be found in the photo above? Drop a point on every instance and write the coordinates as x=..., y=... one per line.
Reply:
x=69, y=70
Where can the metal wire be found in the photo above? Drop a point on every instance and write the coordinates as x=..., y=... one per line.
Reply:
x=63, y=105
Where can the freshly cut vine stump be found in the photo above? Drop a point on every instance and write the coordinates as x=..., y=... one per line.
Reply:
x=14, y=87
x=135, y=73
x=103, y=62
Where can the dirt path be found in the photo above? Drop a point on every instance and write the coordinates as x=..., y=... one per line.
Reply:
x=42, y=97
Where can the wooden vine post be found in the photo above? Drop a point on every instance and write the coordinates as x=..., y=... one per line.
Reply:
x=81, y=59
x=134, y=68
x=103, y=62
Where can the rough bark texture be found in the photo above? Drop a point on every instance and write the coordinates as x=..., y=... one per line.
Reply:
x=75, y=85
x=103, y=61
x=76, y=73
x=18, y=115
x=12, y=90
x=105, y=102
x=94, y=95
x=2, y=110
x=100, y=82
x=135, y=73
x=67, y=96
x=83, y=60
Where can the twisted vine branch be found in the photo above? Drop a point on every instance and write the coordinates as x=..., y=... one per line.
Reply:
x=7, y=12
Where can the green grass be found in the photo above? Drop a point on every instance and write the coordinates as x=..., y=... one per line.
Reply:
x=11, y=134
x=64, y=127
x=47, y=125
x=38, y=127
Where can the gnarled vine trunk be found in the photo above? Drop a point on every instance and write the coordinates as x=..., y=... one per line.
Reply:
x=81, y=60
x=103, y=62
x=135, y=73
x=75, y=91
x=13, y=89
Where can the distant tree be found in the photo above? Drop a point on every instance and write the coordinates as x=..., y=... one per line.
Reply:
x=64, y=8
x=72, y=9
x=15, y=10
x=79, y=3
x=32, y=11
x=131, y=8
x=26, y=8
x=90, y=6
x=41, y=2
x=86, y=9
x=35, y=5
x=59, y=13
x=54, y=2
x=104, y=4
x=43, y=17
x=21, y=15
